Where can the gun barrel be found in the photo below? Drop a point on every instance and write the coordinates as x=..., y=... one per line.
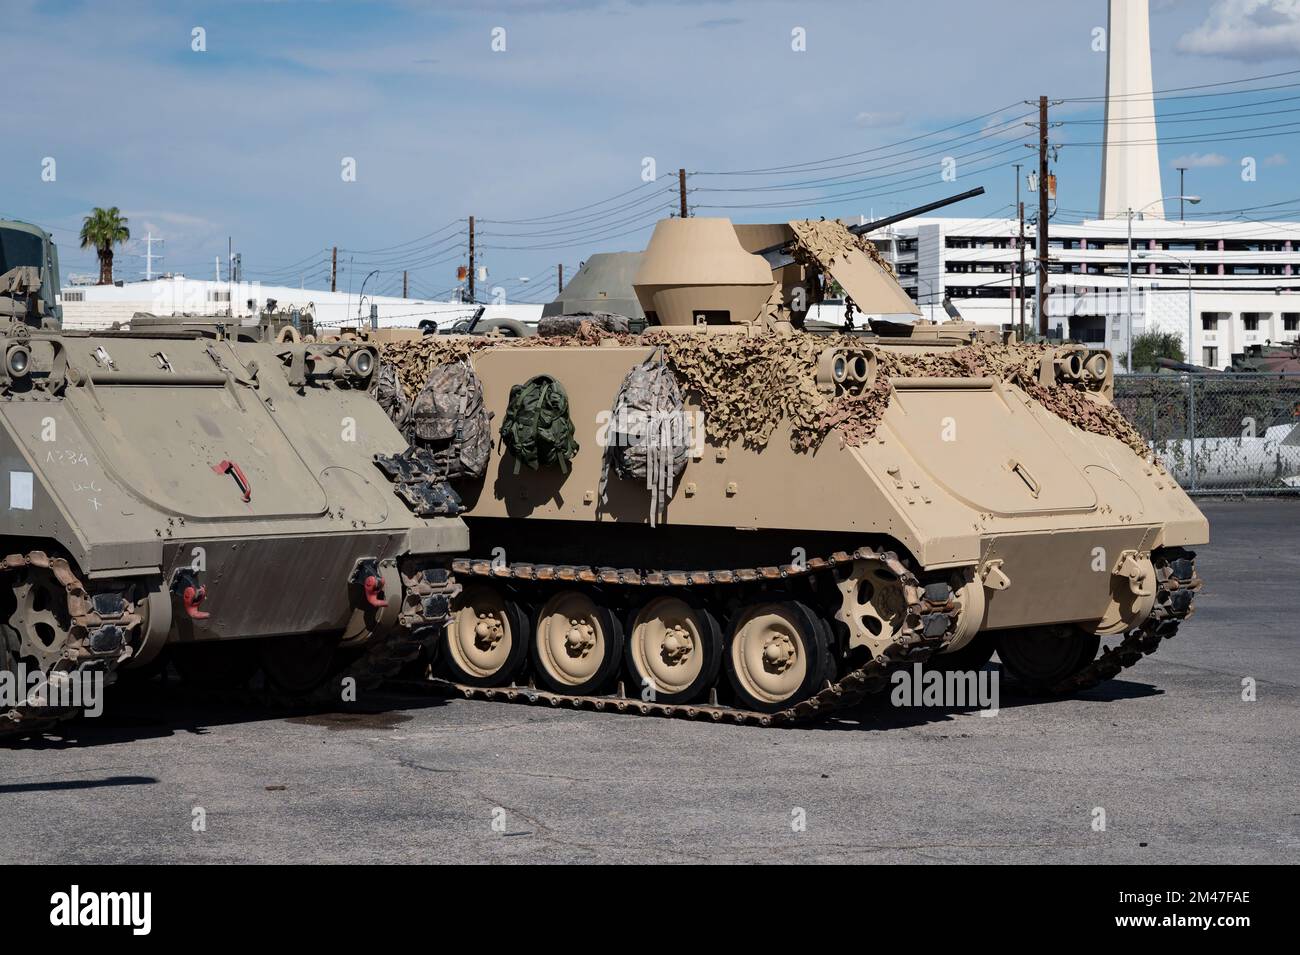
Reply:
x=1173, y=365
x=875, y=224
x=866, y=227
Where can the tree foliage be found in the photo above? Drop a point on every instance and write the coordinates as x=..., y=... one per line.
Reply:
x=1149, y=346
x=101, y=230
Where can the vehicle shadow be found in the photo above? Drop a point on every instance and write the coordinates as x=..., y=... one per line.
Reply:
x=878, y=712
x=64, y=785
x=164, y=706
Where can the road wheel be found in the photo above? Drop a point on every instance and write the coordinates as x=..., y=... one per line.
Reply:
x=577, y=644
x=673, y=649
x=300, y=663
x=777, y=655
x=1041, y=657
x=486, y=640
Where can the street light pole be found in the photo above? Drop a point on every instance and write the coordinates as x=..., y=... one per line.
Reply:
x=1128, y=308
x=1128, y=304
x=362, y=297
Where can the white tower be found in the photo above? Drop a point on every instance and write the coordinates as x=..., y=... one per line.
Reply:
x=1130, y=161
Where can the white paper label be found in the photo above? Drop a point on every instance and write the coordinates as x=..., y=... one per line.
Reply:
x=20, y=490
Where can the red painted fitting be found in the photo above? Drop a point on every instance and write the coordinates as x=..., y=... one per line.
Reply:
x=374, y=588
x=191, y=599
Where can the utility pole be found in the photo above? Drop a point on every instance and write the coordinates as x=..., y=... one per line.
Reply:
x=334, y=269
x=1021, y=294
x=1182, y=195
x=404, y=284
x=681, y=189
x=230, y=276
x=471, y=259
x=1013, y=295
x=559, y=278
x=1043, y=214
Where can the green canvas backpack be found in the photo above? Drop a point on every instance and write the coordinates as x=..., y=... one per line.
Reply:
x=537, y=428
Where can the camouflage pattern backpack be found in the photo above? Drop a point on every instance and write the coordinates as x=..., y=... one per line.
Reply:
x=448, y=417
x=650, y=433
x=387, y=390
x=537, y=428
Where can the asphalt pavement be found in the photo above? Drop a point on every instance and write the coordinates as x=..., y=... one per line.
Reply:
x=1180, y=767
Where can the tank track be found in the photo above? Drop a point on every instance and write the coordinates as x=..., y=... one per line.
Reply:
x=101, y=619
x=932, y=613
x=424, y=612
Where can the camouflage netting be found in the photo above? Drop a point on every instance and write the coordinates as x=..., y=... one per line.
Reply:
x=571, y=322
x=821, y=242
x=415, y=360
x=746, y=386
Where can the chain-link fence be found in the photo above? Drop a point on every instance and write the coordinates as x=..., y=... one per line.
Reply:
x=1219, y=433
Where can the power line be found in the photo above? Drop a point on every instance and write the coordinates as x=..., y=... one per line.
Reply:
x=591, y=220
x=776, y=169
x=428, y=235
x=1183, y=89
x=1164, y=119
x=1216, y=137
x=554, y=215
x=858, y=196
x=656, y=214
x=920, y=162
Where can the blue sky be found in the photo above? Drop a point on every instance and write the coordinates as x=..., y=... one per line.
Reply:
x=247, y=138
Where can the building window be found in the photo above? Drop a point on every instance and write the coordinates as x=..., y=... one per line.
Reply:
x=1251, y=322
x=1291, y=321
x=1209, y=322
x=74, y=296
x=1210, y=357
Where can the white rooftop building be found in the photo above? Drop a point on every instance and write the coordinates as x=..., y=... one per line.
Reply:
x=1245, y=278
x=99, y=306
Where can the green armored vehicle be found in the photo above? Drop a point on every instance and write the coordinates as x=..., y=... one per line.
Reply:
x=178, y=487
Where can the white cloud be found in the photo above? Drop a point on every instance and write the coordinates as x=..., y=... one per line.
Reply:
x=1201, y=161
x=1247, y=30
x=1277, y=159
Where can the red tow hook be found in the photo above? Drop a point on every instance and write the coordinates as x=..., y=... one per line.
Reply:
x=185, y=584
x=374, y=590
x=191, y=598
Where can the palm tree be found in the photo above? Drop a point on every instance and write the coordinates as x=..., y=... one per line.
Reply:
x=103, y=229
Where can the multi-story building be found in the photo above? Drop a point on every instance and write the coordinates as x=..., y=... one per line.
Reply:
x=1244, y=278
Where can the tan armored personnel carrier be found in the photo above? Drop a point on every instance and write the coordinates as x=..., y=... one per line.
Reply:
x=187, y=486
x=793, y=514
